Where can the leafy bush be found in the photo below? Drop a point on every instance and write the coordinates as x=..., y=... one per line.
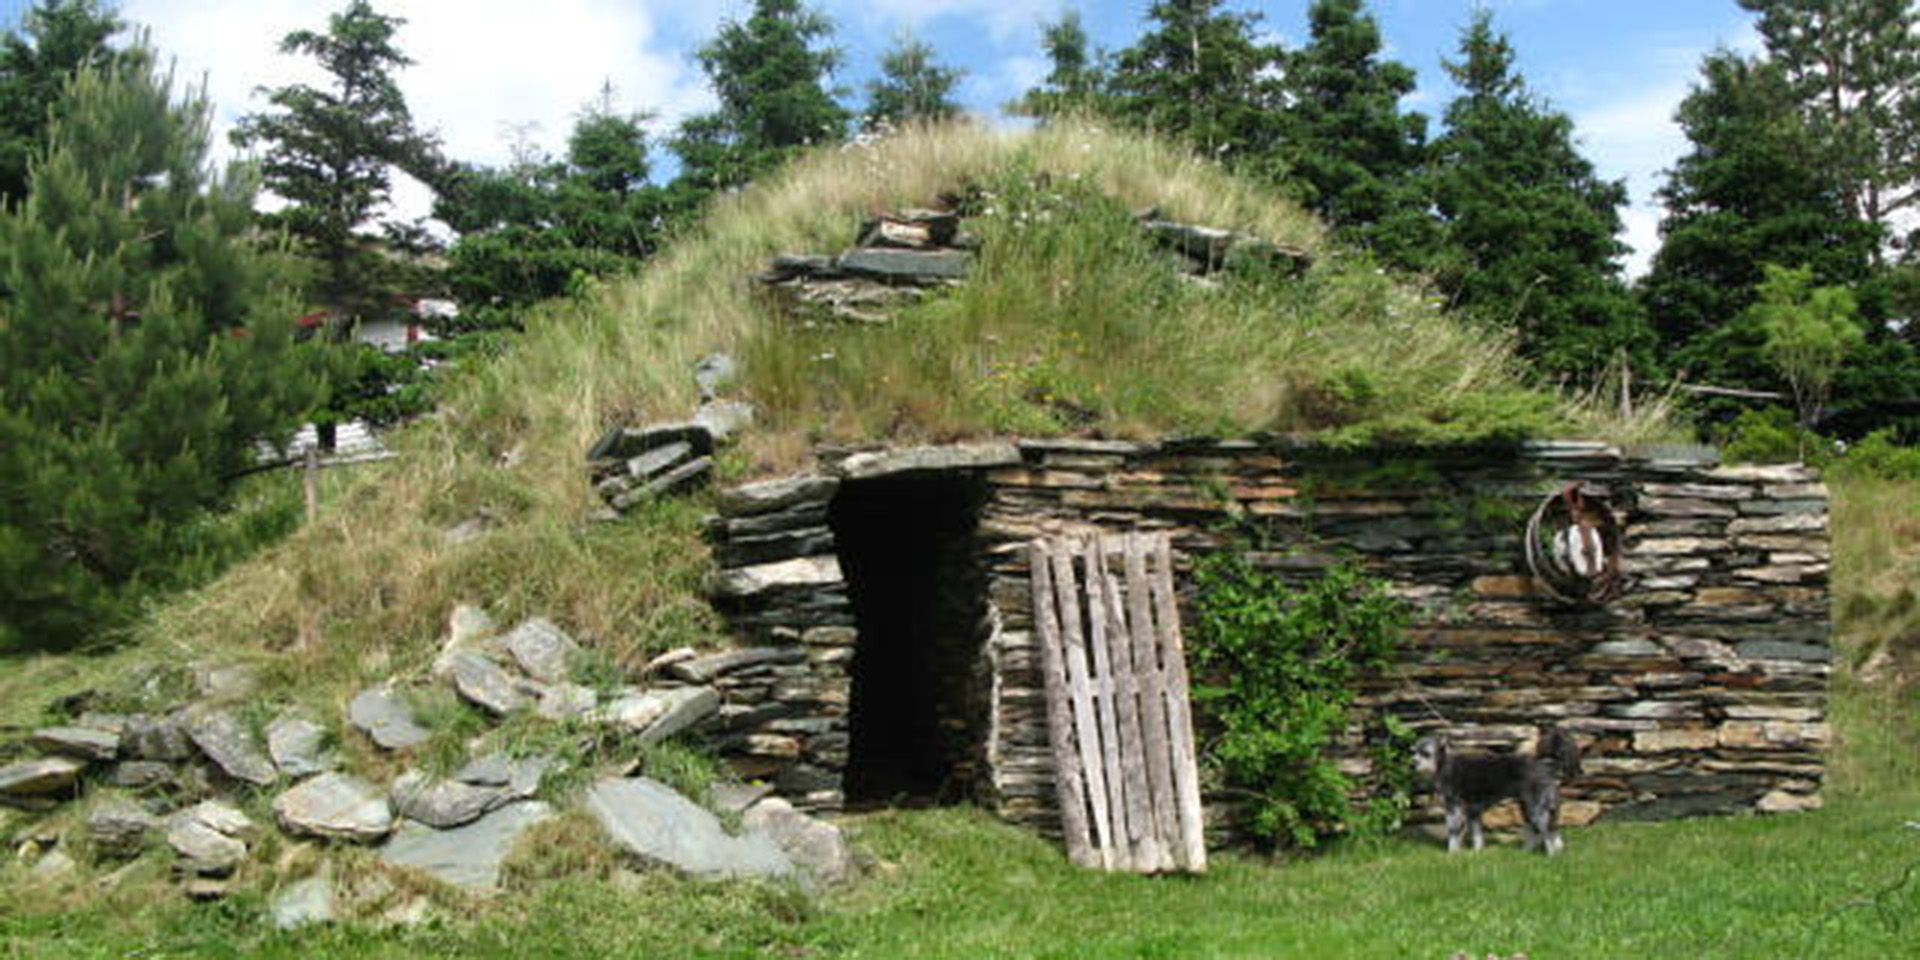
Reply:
x=1880, y=455
x=1277, y=667
x=1769, y=435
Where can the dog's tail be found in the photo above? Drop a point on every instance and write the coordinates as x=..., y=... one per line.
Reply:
x=1562, y=750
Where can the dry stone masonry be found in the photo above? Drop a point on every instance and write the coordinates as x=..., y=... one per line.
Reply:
x=1700, y=689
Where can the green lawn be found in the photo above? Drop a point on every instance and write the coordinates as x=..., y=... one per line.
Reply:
x=955, y=884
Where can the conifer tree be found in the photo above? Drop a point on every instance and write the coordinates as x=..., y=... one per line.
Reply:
x=771, y=75
x=1529, y=231
x=54, y=38
x=145, y=346
x=1203, y=75
x=1077, y=77
x=1347, y=143
x=912, y=86
x=330, y=151
x=1750, y=191
x=1854, y=66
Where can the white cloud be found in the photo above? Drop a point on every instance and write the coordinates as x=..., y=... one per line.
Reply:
x=480, y=65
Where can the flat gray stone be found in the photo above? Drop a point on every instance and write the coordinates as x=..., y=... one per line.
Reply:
x=469, y=624
x=54, y=867
x=736, y=797
x=813, y=845
x=82, y=742
x=1782, y=650
x=770, y=495
x=141, y=774
x=147, y=737
x=741, y=583
x=386, y=718
x=230, y=746
x=715, y=372
x=683, y=477
x=335, y=806
x=33, y=778
x=520, y=776
x=542, y=649
x=962, y=456
x=210, y=837
x=659, y=460
x=565, y=701
x=724, y=418
x=442, y=804
x=706, y=668
x=905, y=266
x=298, y=746
x=484, y=683
x=655, y=715
x=650, y=822
x=119, y=828
x=621, y=443
x=305, y=903
x=467, y=856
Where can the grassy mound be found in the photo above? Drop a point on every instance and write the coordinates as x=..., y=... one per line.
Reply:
x=1070, y=322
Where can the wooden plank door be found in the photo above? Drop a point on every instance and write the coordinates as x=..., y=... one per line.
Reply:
x=1118, y=717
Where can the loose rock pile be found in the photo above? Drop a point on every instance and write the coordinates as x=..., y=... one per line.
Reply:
x=895, y=260
x=182, y=771
x=633, y=464
x=1203, y=251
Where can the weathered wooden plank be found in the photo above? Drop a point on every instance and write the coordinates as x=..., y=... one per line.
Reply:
x=1085, y=721
x=1173, y=655
x=1107, y=696
x=1153, y=706
x=1141, y=829
x=1066, y=758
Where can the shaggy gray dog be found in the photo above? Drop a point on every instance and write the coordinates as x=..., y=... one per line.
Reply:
x=1469, y=783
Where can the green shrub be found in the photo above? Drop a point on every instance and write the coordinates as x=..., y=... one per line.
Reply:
x=1768, y=435
x=1277, y=668
x=1880, y=455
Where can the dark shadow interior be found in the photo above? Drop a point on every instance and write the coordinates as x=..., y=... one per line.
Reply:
x=906, y=546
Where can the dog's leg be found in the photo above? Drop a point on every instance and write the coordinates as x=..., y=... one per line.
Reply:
x=1479, y=835
x=1529, y=838
x=1456, y=825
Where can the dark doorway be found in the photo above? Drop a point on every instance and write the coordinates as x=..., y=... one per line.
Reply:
x=906, y=545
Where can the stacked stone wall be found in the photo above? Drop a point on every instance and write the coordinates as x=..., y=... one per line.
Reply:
x=1700, y=689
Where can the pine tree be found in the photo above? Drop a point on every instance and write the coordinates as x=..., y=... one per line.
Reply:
x=911, y=86
x=145, y=345
x=1750, y=191
x=1347, y=143
x=1854, y=66
x=330, y=152
x=771, y=75
x=1529, y=231
x=54, y=39
x=1077, y=78
x=1203, y=75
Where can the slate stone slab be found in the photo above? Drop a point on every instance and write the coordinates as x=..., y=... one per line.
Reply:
x=542, y=649
x=230, y=746
x=742, y=583
x=705, y=669
x=770, y=495
x=659, y=460
x=682, y=477
x=468, y=856
x=119, y=828
x=298, y=746
x=141, y=774
x=484, y=683
x=82, y=742
x=869, y=465
x=442, y=804
x=335, y=806
x=813, y=845
x=386, y=717
x=724, y=418
x=564, y=701
x=621, y=443
x=905, y=266
x=147, y=737
x=305, y=903
x=521, y=775
x=208, y=838
x=656, y=715
x=224, y=682
x=650, y=822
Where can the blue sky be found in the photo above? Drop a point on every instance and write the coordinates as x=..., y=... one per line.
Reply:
x=486, y=67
